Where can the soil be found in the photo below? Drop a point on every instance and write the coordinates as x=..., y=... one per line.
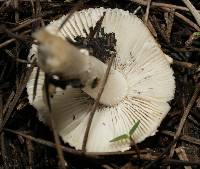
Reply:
x=18, y=117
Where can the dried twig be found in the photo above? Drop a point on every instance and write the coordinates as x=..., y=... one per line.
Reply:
x=3, y=6
x=10, y=98
x=97, y=103
x=62, y=164
x=25, y=24
x=180, y=162
x=20, y=38
x=169, y=18
x=161, y=5
x=76, y=7
x=194, y=121
x=184, y=117
x=136, y=10
x=145, y=155
x=162, y=154
x=184, y=137
x=184, y=64
x=192, y=37
x=91, y=35
x=193, y=10
x=71, y=150
x=23, y=81
x=149, y=157
x=3, y=150
x=53, y=125
x=168, y=7
x=30, y=152
x=151, y=28
x=182, y=155
x=16, y=59
x=16, y=7
x=35, y=83
x=7, y=42
x=182, y=17
x=154, y=21
x=192, y=49
x=147, y=11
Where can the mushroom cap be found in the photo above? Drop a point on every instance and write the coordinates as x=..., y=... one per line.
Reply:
x=143, y=64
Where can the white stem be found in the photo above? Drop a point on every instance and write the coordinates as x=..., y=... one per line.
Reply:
x=56, y=56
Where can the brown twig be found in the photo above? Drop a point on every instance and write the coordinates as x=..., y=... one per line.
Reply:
x=3, y=150
x=136, y=10
x=180, y=162
x=192, y=49
x=72, y=151
x=16, y=7
x=193, y=10
x=169, y=18
x=25, y=24
x=151, y=28
x=184, y=117
x=53, y=125
x=35, y=83
x=184, y=64
x=1, y=107
x=145, y=155
x=23, y=81
x=146, y=16
x=135, y=146
x=161, y=5
x=193, y=120
x=30, y=153
x=161, y=156
x=33, y=8
x=4, y=5
x=154, y=21
x=168, y=7
x=20, y=38
x=7, y=42
x=97, y=103
x=16, y=59
x=182, y=155
x=97, y=27
x=10, y=98
x=183, y=137
x=62, y=164
x=76, y=7
x=149, y=157
x=192, y=37
x=91, y=35
x=185, y=19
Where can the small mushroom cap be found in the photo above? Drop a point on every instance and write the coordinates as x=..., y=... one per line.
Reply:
x=148, y=73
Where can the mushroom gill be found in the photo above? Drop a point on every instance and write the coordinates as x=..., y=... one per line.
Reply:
x=142, y=82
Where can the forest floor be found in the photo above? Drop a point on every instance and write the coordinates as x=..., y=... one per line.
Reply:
x=25, y=142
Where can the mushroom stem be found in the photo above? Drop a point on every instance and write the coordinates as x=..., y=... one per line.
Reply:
x=57, y=56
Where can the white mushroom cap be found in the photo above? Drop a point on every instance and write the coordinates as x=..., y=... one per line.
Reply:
x=142, y=63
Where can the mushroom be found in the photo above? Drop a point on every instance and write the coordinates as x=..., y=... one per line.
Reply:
x=139, y=86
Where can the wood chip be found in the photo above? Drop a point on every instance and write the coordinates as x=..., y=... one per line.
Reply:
x=180, y=151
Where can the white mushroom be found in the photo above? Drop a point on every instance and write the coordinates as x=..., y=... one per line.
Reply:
x=72, y=64
x=139, y=87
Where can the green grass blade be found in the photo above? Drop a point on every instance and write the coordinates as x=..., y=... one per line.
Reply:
x=196, y=33
x=135, y=126
x=122, y=137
